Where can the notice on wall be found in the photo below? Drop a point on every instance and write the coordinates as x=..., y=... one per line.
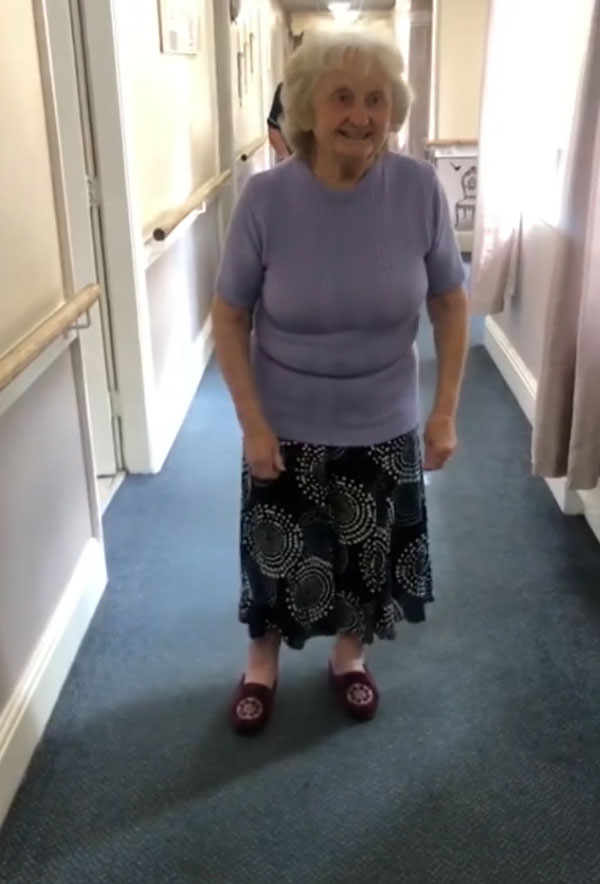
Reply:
x=180, y=26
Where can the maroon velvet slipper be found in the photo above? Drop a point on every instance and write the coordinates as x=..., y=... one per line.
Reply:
x=252, y=707
x=357, y=692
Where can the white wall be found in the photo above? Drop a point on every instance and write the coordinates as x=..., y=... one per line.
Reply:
x=173, y=110
x=31, y=283
x=307, y=21
x=180, y=129
x=461, y=27
x=515, y=337
x=52, y=570
x=257, y=38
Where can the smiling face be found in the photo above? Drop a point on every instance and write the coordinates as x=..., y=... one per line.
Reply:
x=352, y=110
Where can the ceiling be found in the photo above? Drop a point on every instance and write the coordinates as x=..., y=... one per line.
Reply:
x=312, y=5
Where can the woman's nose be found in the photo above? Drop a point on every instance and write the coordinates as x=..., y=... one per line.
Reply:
x=359, y=115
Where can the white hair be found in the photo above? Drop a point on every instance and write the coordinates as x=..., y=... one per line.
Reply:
x=324, y=51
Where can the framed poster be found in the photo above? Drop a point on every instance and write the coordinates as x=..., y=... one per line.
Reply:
x=180, y=26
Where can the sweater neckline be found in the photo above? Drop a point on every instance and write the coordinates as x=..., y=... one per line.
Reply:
x=364, y=186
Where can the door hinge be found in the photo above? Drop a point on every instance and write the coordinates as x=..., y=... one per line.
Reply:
x=93, y=191
x=115, y=403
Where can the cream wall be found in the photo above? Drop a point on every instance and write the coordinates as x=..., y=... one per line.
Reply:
x=257, y=43
x=461, y=29
x=308, y=21
x=182, y=128
x=30, y=277
x=172, y=101
x=52, y=570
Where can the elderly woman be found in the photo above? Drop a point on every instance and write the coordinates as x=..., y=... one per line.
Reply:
x=328, y=262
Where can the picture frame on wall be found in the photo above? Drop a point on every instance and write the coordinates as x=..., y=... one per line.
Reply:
x=180, y=27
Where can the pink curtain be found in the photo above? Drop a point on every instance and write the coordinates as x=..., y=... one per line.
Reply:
x=497, y=239
x=566, y=438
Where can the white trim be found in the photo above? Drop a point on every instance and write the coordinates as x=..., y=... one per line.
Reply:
x=123, y=248
x=177, y=390
x=25, y=716
x=56, y=32
x=35, y=370
x=524, y=386
x=521, y=381
x=107, y=488
x=591, y=508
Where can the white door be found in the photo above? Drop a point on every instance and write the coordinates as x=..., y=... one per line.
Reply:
x=76, y=136
x=97, y=340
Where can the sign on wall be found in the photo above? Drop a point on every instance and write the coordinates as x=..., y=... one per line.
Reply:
x=180, y=26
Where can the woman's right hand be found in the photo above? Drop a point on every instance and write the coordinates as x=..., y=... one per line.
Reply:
x=263, y=454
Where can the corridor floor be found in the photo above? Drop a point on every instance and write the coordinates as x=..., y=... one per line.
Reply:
x=483, y=766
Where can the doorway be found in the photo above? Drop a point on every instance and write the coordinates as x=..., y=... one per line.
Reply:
x=66, y=51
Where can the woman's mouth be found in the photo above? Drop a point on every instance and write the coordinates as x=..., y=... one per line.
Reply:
x=355, y=136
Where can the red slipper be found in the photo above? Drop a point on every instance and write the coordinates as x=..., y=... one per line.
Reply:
x=252, y=707
x=357, y=693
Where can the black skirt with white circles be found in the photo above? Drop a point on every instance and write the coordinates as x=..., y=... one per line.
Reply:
x=337, y=544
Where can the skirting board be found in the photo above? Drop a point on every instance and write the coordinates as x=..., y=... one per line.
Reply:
x=24, y=718
x=177, y=390
x=523, y=385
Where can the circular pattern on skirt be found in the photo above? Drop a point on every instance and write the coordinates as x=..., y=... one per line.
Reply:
x=246, y=482
x=311, y=590
x=349, y=615
x=274, y=538
x=374, y=560
x=354, y=510
x=408, y=502
x=311, y=475
x=400, y=458
x=412, y=568
x=389, y=615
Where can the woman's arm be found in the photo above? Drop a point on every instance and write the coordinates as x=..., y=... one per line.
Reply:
x=278, y=144
x=449, y=315
x=231, y=329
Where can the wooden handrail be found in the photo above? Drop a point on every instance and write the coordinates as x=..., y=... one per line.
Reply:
x=33, y=344
x=167, y=223
x=252, y=148
x=451, y=142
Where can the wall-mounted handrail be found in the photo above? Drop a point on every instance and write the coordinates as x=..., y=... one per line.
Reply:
x=451, y=142
x=167, y=222
x=26, y=351
x=251, y=149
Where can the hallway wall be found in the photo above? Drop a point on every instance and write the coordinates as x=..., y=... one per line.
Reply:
x=176, y=143
x=52, y=569
x=307, y=21
x=515, y=338
x=461, y=30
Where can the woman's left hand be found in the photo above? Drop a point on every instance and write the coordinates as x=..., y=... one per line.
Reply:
x=440, y=441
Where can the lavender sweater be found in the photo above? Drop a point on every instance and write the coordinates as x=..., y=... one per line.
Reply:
x=337, y=281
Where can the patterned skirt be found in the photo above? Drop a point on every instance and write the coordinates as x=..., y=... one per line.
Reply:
x=337, y=544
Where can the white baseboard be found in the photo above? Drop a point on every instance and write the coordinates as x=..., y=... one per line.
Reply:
x=107, y=488
x=25, y=716
x=178, y=388
x=523, y=385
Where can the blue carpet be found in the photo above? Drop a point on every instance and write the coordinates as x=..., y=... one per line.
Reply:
x=483, y=766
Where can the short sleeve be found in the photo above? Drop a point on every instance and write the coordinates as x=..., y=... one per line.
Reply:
x=240, y=276
x=276, y=109
x=445, y=268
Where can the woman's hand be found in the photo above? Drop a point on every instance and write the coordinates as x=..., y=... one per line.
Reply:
x=440, y=441
x=263, y=454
